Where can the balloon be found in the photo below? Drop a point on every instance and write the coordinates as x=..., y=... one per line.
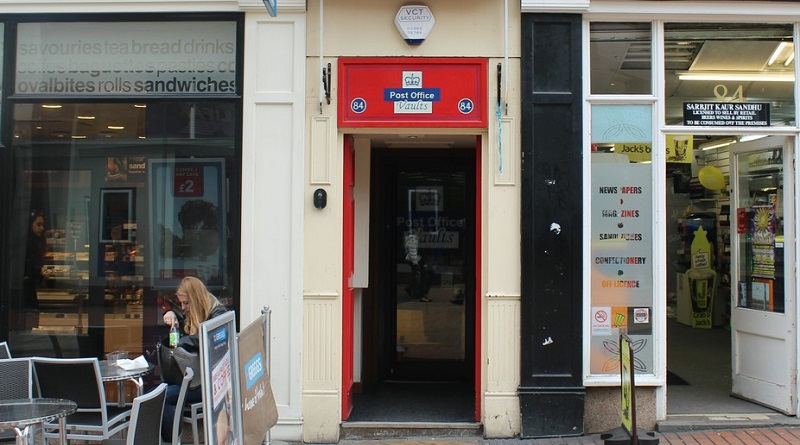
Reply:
x=711, y=178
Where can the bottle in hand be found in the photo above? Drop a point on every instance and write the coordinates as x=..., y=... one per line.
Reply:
x=173, y=336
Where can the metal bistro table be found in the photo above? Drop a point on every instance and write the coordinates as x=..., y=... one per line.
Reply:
x=22, y=414
x=113, y=373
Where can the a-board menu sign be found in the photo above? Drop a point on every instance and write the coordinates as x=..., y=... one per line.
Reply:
x=219, y=362
x=259, y=411
x=628, y=403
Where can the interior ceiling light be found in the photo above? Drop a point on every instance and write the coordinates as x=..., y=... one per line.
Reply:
x=86, y=118
x=51, y=106
x=78, y=136
x=417, y=143
x=116, y=127
x=718, y=143
x=775, y=54
x=751, y=137
x=782, y=55
x=744, y=76
x=140, y=105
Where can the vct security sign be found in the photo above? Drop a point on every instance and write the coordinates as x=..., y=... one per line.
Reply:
x=414, y=23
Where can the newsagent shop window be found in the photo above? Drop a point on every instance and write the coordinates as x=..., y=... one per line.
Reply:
x=621, y=58
x=621, y=236
x=133, y=192
x=729, y=62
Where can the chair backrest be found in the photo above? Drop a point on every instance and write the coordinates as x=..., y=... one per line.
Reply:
x=16, y=382
x=176, y=422
x=4, y=351
x=76, y=379
x=145, y=426
x=16, y=378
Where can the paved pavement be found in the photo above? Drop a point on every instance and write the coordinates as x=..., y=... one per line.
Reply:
x=742, y=436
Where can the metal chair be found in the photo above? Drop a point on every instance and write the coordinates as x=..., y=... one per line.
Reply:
x=145, y=424
x=16, y=382
x=4, y=351
x=193, y=414
x=176, y=423
x=78, y=379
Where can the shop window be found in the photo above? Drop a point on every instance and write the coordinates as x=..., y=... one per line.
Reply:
x=621, y=236
x=621, y=58
x=721, y=63
x=132, y=196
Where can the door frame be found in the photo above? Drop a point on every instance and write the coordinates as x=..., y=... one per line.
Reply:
x=747, y=382
x=348, y=269
x=390, y=162
x=475, y=353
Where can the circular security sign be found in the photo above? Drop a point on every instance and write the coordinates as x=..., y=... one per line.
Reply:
x=358, y=105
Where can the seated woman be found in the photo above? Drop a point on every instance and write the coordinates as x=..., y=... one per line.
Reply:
x=198, y=305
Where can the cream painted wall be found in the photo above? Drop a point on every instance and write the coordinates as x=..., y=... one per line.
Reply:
x=469, y=28
x=465, y=28
x=273, y=202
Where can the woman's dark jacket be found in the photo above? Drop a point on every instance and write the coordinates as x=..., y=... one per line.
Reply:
x=191, y=343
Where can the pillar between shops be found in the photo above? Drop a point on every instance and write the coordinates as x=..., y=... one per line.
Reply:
x=551, y=388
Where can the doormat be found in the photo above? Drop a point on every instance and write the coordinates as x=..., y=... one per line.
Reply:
x=675, y=379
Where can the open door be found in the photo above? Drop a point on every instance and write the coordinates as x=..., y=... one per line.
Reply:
x=763, y=313
x=348, y=267
x=428, y=263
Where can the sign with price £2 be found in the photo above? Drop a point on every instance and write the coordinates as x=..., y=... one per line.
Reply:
x=187, y=180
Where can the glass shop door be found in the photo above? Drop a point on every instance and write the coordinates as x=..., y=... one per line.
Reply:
x=763, y=314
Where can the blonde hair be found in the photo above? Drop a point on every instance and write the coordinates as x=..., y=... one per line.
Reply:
x=201, y=302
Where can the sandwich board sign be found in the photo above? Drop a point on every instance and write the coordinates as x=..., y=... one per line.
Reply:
x=627, y=433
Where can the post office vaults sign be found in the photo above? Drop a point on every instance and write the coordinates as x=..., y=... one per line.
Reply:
x=412, y=92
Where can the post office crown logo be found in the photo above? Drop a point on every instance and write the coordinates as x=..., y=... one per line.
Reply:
x=412, y=80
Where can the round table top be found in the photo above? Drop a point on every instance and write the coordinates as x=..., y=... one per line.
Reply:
x=112, y=373
x=22, y=412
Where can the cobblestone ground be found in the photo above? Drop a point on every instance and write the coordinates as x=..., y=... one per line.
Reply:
x=742, y=436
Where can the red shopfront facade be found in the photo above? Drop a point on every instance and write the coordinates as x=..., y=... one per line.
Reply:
x=419, y=97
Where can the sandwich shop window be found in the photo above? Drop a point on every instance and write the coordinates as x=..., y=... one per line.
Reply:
x=125, y=139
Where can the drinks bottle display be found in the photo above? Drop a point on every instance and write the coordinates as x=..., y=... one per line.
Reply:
x=702, y=281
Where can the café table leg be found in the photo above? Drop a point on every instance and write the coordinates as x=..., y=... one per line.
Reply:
x=62, y=431
x=121, y=393
x=121, y=389
x=23, y=436
x=139, y=385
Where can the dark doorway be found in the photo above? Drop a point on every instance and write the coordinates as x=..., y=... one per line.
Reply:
x=419, y=332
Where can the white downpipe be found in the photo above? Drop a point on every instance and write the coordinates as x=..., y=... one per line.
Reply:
x=505, y=59
x=321, y=55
